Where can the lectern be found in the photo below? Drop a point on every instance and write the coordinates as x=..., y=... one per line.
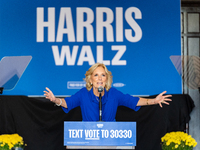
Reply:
x=100, y=135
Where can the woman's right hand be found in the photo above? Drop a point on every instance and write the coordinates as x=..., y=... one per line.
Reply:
x=49, y=95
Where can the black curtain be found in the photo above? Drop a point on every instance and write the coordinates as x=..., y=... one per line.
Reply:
x=41, y=124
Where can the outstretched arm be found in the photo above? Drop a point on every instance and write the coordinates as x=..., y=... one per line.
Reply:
x=58, y=101
x=160, y=99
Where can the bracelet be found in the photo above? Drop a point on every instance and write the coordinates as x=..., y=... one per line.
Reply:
x=147, y=101
x=60, y=102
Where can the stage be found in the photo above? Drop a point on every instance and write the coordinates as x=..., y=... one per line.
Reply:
x=41, y=123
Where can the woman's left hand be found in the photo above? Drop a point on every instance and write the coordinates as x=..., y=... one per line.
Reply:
x=161, y=98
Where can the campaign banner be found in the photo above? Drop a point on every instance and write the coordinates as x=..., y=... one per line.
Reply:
x=58, y=41
x=99, y=133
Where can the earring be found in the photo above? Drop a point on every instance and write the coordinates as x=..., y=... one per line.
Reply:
x=90, y=83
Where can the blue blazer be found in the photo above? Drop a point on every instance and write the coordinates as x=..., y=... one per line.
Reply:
x=89, y=104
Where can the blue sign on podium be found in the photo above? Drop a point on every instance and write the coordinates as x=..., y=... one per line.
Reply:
x=99, y=133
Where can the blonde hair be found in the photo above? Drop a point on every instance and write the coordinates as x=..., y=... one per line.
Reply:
x=91, y=70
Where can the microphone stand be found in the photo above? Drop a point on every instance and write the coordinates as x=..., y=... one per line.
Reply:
x=100, y=89
x=100, y=108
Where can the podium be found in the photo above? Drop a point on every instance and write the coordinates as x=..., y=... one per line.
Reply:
x=99, y=135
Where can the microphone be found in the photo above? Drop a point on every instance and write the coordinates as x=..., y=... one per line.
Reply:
x=100, y=89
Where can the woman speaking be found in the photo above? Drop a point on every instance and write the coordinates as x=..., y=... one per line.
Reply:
x=88, y=97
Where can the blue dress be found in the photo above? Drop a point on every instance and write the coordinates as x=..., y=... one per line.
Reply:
x=89, y=104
